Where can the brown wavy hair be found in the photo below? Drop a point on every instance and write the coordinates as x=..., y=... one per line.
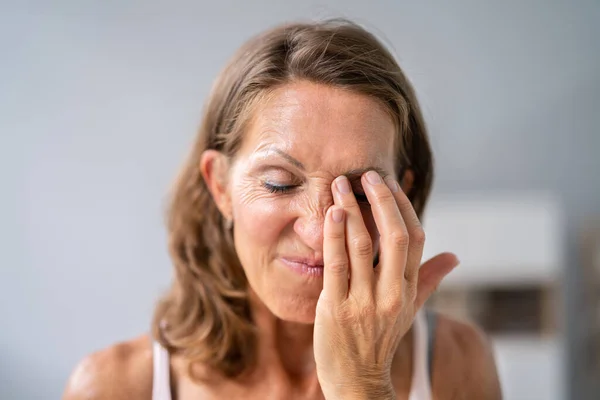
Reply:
x=205, y=316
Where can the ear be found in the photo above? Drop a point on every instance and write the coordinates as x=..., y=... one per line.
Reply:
x=214, y=168
x=407, y=181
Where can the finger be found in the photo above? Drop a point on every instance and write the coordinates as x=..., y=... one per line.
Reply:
x=358, y=240
x=335, y=257
x=431, y=274
x=393, y=232
x=416, y=234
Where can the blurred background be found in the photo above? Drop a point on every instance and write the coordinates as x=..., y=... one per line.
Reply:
x=99, y=101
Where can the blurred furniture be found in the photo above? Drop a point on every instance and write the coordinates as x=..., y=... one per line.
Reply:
x=590, y=344
x=508, y=282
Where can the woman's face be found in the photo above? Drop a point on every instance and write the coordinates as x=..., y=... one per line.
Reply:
x=300, y=140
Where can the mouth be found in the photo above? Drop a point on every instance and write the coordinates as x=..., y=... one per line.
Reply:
x=304, y=266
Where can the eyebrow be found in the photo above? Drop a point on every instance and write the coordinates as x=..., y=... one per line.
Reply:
x=353, y=174
x=291, y=159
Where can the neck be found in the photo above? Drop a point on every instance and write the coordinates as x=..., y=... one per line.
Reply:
x=283, y=345
x=287, y=348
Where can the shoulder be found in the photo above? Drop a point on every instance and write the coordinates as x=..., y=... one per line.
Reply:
x=463, y=365
x=121, y=371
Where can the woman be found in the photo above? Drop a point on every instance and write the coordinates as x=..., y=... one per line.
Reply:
x=294, y=231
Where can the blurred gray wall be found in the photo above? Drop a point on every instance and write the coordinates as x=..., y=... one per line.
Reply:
x=100, y=100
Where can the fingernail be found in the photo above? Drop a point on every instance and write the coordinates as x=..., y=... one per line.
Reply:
x=456, y=261
x=343, y=184
x=392, y=184
x=373, y=178
x=337, y=214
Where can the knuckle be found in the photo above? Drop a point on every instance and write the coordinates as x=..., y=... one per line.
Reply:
x=335, y=234
x=362, y=245
x=385, y=196
x=399, y=239
x=417, y=236
x=396, y=290
x=393, y=305
x=338, y=267
x=345, y=314
x=367, y=310
x=392, y=310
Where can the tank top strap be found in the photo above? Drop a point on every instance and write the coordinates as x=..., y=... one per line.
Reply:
x=420, y=388
x=431, y=334
x=423, y=344
x=161, y=381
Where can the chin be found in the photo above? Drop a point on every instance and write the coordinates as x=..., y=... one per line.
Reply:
x=290, y=308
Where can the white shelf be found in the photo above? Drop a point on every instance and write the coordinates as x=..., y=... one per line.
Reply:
x=530, y=367
x=501, y=239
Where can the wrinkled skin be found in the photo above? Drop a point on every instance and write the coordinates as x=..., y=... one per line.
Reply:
x=331, y=132
x=331, y=334
x=278, y=193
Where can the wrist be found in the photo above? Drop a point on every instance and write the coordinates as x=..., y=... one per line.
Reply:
x=370, y=392
x=387, y=394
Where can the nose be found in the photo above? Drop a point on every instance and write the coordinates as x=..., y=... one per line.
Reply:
x=310, y=230
x=309, y=227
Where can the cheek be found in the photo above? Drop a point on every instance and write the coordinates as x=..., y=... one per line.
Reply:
x=259, y=221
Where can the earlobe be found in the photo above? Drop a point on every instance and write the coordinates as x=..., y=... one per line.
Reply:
x=407, y=181
x=213, y=167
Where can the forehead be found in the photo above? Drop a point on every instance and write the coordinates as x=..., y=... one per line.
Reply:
x=324, y=127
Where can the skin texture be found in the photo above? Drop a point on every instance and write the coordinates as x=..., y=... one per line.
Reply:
x=355, y=318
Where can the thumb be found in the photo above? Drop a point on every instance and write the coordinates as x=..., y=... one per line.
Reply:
x=431, y=274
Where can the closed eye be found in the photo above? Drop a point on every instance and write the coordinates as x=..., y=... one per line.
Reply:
x=278, y=188
x=361, y=198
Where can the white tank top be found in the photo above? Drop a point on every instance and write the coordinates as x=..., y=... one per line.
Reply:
x=420, y=385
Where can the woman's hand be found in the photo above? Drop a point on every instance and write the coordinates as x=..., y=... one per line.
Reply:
x=363, y=312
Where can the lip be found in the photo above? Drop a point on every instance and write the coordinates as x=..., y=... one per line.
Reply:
x=304, y=266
